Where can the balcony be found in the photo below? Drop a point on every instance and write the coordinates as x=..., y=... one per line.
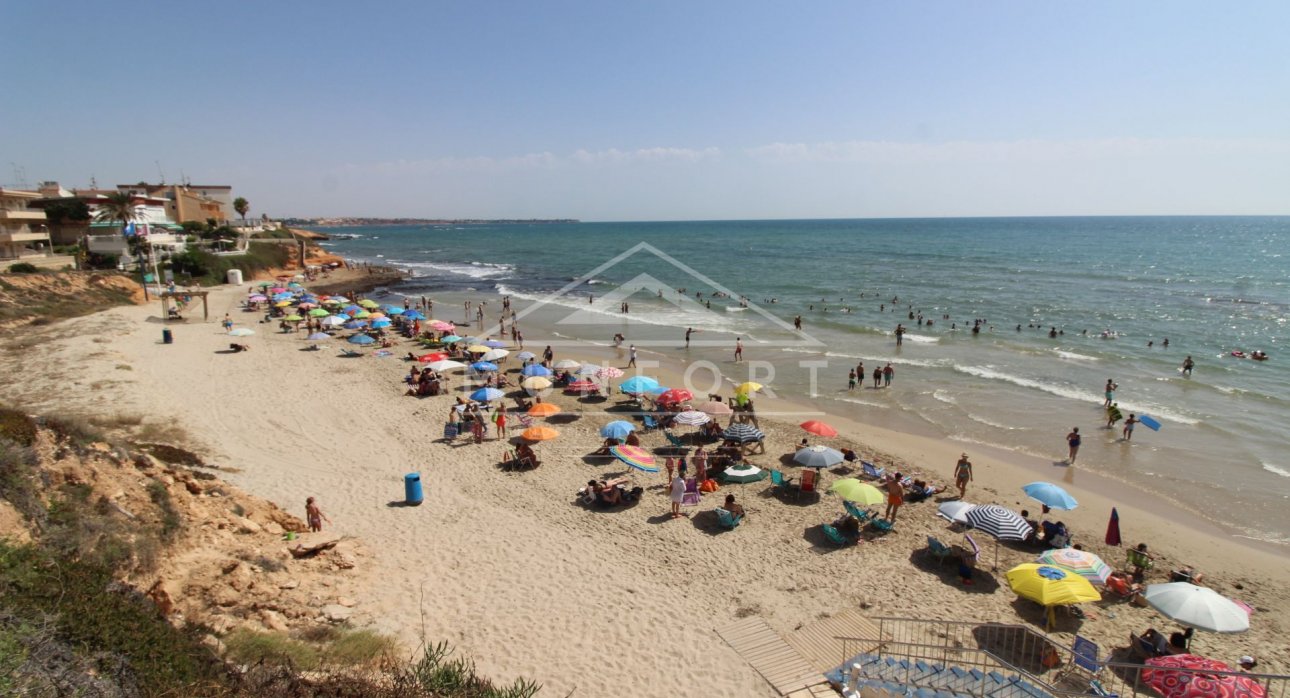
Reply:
x=21, y=215
x=23, y=236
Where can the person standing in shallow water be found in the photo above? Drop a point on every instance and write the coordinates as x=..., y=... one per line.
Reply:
x=1072, y=442
x=739, y=350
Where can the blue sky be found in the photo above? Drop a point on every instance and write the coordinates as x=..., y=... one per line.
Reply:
x=662, y=110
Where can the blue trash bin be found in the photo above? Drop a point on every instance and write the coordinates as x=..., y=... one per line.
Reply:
x=412, y=488
x=167, y=337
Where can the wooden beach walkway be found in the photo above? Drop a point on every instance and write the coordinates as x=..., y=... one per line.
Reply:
x=777, y=662
x=818, y=642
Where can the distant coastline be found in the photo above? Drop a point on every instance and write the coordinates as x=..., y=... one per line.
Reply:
x=346, y=222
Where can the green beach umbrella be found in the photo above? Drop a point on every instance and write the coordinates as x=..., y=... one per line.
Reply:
x=318, y=312
x=293, y=318
x=861, y=493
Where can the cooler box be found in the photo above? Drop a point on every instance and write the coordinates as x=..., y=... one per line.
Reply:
x=412, y=488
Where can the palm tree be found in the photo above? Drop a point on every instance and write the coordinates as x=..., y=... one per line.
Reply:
x=241, y=206
x=119, y=207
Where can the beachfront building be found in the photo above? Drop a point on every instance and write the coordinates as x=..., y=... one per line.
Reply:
x=188, y=203
x=153, y=221
x=23, y=233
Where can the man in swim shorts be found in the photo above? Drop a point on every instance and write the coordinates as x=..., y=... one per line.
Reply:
x=895, y=497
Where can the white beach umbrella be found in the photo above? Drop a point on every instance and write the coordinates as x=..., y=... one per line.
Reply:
x=565, y=364
x=444, y=365
x=495, y=354
x=955, y=511
x=241, y=332
x=1198, y=607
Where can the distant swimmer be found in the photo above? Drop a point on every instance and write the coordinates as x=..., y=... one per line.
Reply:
x=1187, y=366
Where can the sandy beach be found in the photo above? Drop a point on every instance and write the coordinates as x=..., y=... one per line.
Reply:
x=588, y=602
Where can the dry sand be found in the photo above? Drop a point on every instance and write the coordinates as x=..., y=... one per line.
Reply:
x=529, y=584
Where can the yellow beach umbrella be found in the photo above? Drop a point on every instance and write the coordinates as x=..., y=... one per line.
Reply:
x=536, y=383
x=477, y=349
x=293, y=318
x=1050, y=586
x=282, y=304
x=749, y=387
x=539, y=434
x=361, y=315
x=861, y=493
x=369, y=303
x=376, y=316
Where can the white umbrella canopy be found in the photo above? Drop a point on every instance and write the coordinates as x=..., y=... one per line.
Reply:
x=1198, y=607
x=955, y=511
x=565, y=364
x=444, y=365
x=495, y=354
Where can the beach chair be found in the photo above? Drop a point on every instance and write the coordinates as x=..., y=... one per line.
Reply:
x=833, y=534
x=807, y=484
x=649, y=424
x=882, y=525
x=692, y=496
x=976, y=549
x=863, y=515
x=780, y=481
x=673, y=439
x=1138, y=560
x=872, y=471
x=938, y=550
x=350, y=353
x=727, y=520
x=525, y=420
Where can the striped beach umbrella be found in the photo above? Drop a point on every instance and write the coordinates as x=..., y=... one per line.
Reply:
x=1081, y=562
x=1003, y=524
x=609, y=372
x=584, y=386
x=635, y=457
x=692, y=418
x=743, y=433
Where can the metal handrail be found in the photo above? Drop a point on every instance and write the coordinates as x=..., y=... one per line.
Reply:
x=1023, y=651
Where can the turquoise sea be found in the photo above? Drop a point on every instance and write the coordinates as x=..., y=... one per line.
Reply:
x=1210, y=285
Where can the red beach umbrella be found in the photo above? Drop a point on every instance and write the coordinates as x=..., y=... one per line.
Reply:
x=675, y=395
x=1196, y=683
x=434, y=356
x=818, y=428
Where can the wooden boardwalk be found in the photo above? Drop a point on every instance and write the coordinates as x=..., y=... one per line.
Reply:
x=768, y=654
x=818, y=642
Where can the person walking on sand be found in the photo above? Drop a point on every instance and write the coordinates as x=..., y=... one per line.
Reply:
x=887, y=373
x=631, y=363
x=962, y=475
x=678, y=494
x=1187, y=366
x=1128, y=426
x=1072, y=441
x=314, y=515
x=1110, y=392
x=739, y=350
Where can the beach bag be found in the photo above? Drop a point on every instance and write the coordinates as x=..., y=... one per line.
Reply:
x=450, y=431
x=709, y=486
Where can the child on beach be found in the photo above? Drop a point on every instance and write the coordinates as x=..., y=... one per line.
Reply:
x=314, y=515
x=1128, y=427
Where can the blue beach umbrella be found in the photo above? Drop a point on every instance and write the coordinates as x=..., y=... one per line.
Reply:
x=525, y=355
x=450, y=339
x=483, y=366
x=413, y=315
x=394, y=309
x=318, y=336
x=535, y=370
x=487, y=395
x=617, y=430
x=361, y=339
x=638, y=384
x=351, y=309
x=1050, y=495
x=494, y=344
x=355, y=324
x=382, y=322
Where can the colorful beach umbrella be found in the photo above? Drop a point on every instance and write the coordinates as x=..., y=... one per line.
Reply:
x=535, y=370
x=1198, y=679
x=609, y=372
x=1081, y=562
x=487, y=395
x=638, y=384
x=282, y=304
x=861, y=493
x=258, y=298
x=1050, y=495
x=494, y=344
x=393, y=309
x=483, y=366
x=635, y=457
x=355, y=324
x=241, y=332
x=317, y=312
x=361, y=315
x=543, y=409
x=381, y=323
x=477, y=349
x=817, y=457
x=1048, y=585
x=361, y=339
x=749, y=387
x=743, y=433
x=818, y=428
x=618, y=429
x=539, y=434
x=583, y=386
x=675, y=396
x=1199, y=607
x=450, y=339
x=441, y=326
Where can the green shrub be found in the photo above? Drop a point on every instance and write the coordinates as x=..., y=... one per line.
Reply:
x=23, y=268
x=17, y=427
x=171, y=522
x=249, y=647
x=359, y=647
x=18, y=484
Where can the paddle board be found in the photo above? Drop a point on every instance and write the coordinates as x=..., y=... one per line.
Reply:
x=1149, y=422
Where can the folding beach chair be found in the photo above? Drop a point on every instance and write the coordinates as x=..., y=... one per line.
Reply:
x=727, y=520
x=862, y=514
x=673, y=439
x=872, y=471
x=649, y=423
x=808, y=482
x=781, y=481
x=692, y=497
x=938, y=550
x=836, y=536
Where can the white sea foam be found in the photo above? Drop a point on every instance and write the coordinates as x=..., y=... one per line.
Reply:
x=671, y=317
x=990, y=373
x=921, y=338
x=1275, y=470
x=1074, y=356
x=945, y=397
x=474, y=270
x=866, y=403
x=989, y=422
x=898, y=361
